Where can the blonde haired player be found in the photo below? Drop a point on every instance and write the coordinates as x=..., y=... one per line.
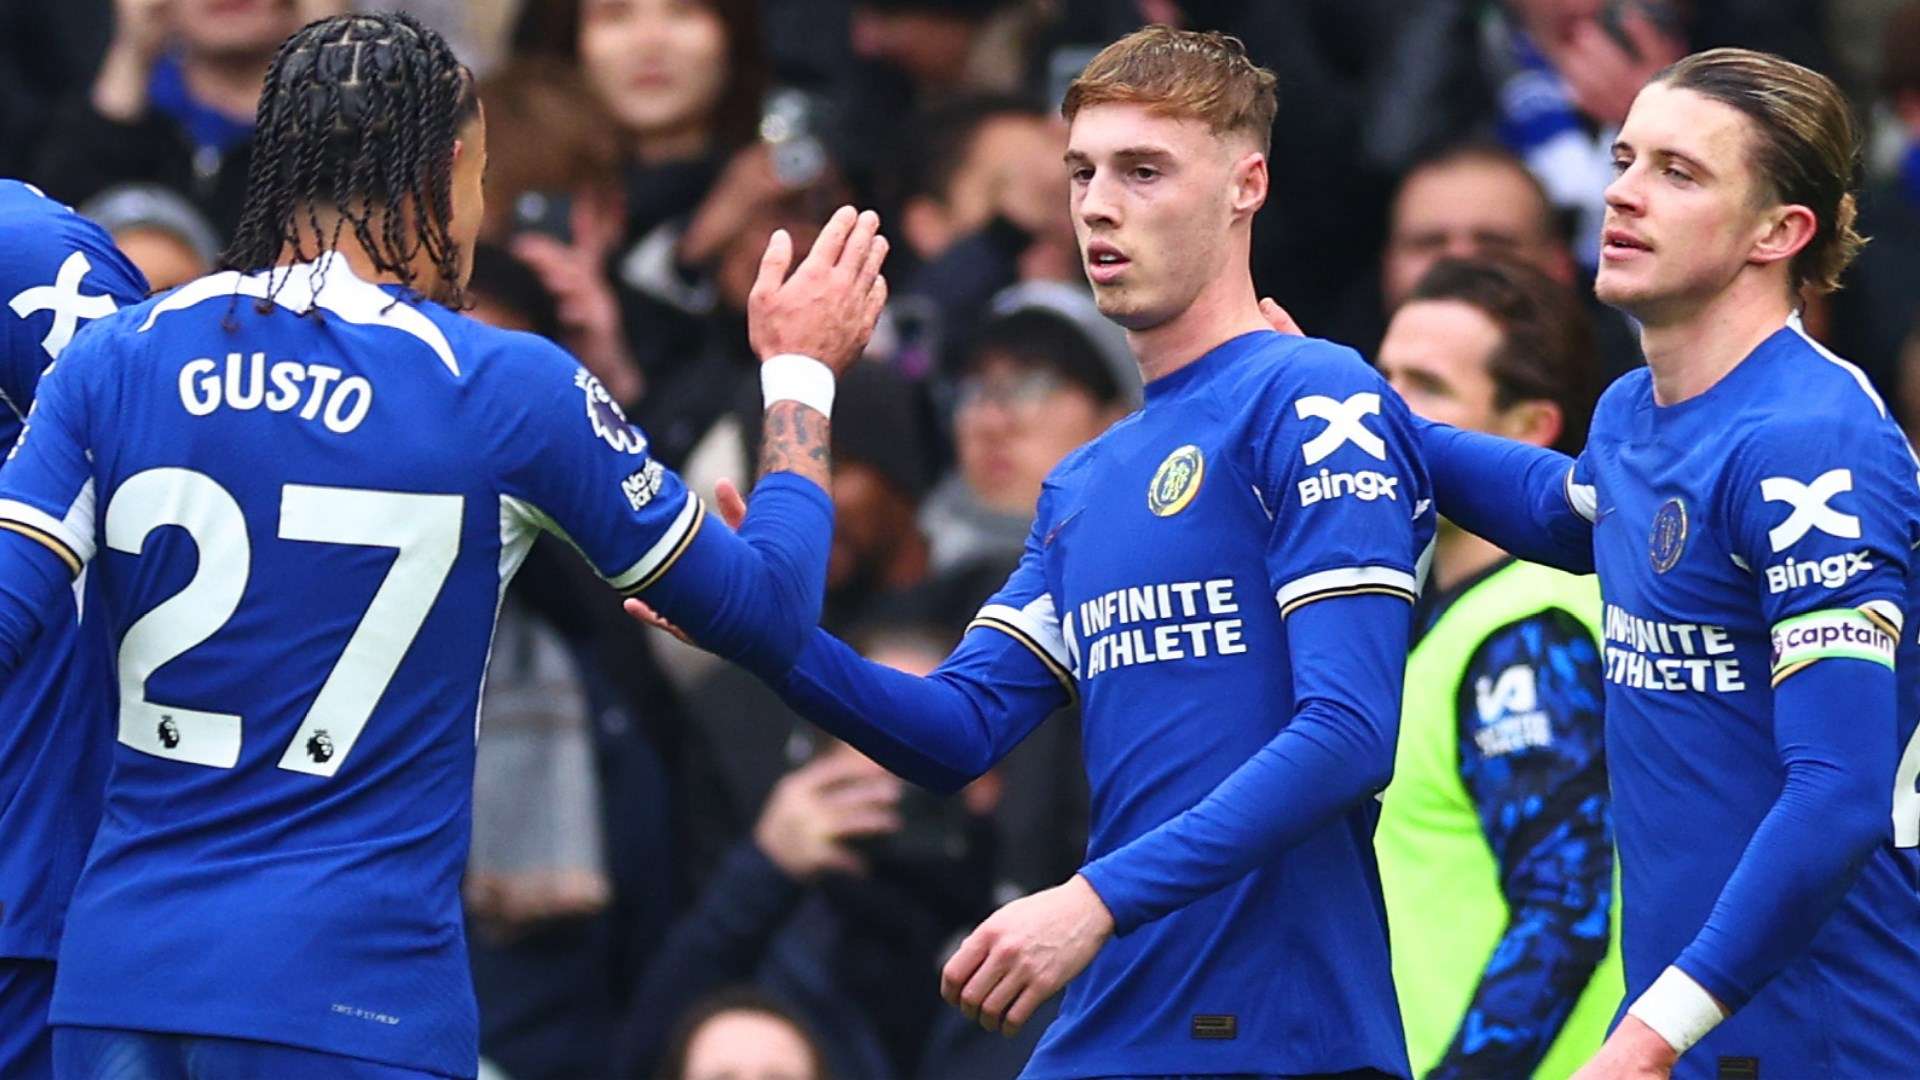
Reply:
x=1751, y=512
x=1224, y=580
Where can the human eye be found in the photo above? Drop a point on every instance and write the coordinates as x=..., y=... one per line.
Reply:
x=1144, y=173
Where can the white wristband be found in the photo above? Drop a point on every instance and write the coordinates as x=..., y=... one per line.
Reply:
x=1678, y=1009
x=792, y=377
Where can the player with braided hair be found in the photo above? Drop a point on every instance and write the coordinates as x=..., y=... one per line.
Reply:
x=383, y=104
x=301, y=485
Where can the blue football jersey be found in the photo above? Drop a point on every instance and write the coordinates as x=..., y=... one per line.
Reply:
x=1733, y=533
x=1167, y=555
x=301, y=525
x=58, y=272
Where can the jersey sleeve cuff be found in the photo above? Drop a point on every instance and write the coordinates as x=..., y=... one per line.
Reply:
x=1112, y=893
x=1678, y=1009
x=74, y=547
x=1037, y=628
x=1582, y=499
x=1345, y=581
x=665, y=552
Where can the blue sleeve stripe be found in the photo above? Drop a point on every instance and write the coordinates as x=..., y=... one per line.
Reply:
x=1053, y=664
x=660, y=558
x=52, y=543
x=1345, y=581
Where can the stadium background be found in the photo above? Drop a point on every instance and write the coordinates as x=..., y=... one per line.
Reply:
x=656, y=841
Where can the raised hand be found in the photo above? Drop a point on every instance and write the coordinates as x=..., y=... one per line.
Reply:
x=142, y=29
x=815, y=811
x=1603, y=75
x=827, y=309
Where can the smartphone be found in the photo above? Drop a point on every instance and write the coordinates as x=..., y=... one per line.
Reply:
x=549, y=213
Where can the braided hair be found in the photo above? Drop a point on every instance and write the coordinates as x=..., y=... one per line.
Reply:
x=357, y=120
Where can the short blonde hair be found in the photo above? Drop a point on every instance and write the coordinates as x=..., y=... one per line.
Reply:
x=1806, y=146
x=1191, y=74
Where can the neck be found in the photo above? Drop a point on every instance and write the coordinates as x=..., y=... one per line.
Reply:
x=1224, y=310
x=1459, y=555
x=227, y=84
x=1690, y=352
x=426, y=278
x=677, y=144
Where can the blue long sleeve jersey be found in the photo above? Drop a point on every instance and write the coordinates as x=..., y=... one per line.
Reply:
x=59, y=272
x=301, y=526
x=1755, y=552
x=1224, y=579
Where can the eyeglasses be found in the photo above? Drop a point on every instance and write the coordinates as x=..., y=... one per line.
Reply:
x=1018, y=392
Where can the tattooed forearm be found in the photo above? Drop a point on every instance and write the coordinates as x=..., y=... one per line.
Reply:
x=794, y=439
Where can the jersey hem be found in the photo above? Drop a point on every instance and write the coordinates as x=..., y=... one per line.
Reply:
x=59, y=1018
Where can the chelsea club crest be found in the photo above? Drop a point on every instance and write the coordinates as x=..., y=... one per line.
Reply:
x=1669, y=535
x=1176, y=481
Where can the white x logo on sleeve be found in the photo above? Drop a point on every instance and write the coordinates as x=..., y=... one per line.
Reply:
x=63, y=298
x=1345, y=424
x=1810, y=509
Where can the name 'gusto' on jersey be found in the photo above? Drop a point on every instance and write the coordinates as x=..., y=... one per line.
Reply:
x=320, y=391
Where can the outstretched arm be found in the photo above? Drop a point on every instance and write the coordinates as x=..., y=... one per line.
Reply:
x=1517, y=495
x=941, y=731
x=945, y=729
x=1524, y=498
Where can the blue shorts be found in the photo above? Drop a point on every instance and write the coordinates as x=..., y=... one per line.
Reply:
x=26, y=1048
x=83, y=1053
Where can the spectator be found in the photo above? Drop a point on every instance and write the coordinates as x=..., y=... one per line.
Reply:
x=1470, y=201
x=843, y=927
x=1045, y=374
x=1562, y=74
x=554, y=197
x=568, y=881
x=742, y=1034
x=944, y=47
x=983, y=205
x=158, y=230
x=699, y=410
x=882, y=466
x=1495, y=838
x=1879, y=310
x=1477, y=200
x=173, y=101
x=878, y=560
x=684, y=85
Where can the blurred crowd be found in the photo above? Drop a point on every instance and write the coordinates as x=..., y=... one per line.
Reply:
x=670, y=874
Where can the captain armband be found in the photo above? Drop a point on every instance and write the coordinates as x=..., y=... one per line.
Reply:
x=1869, y=632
